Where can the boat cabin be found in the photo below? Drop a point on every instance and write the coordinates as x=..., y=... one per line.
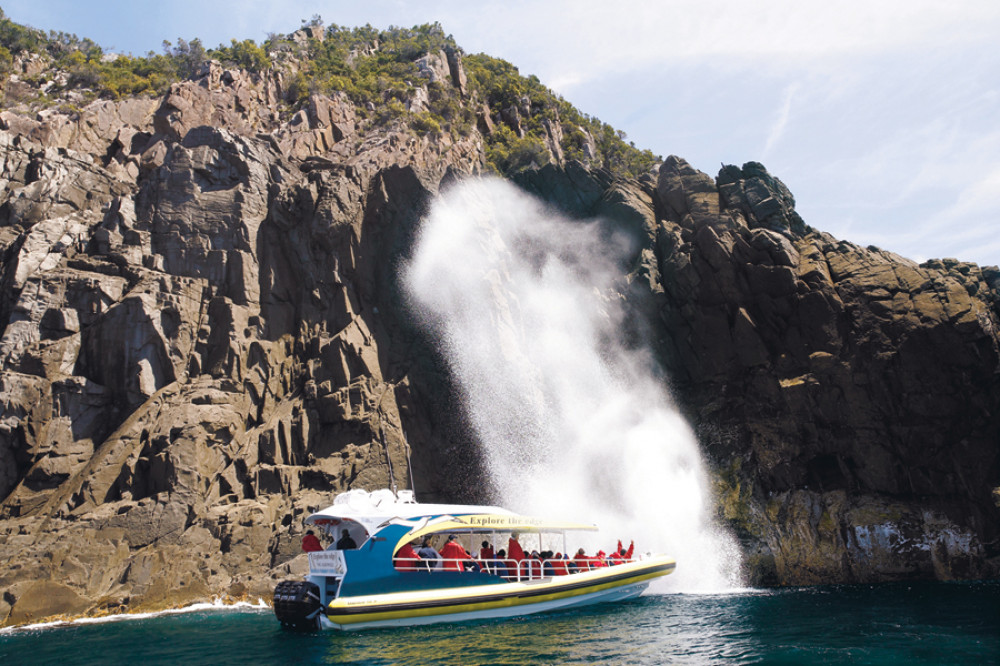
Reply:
x=381, y=524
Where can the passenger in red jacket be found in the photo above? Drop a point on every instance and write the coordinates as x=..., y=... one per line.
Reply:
x=514, y=550
x=310, y=543
x=626, y=555
x=487, y=557
x=580, y=561
x=406, y=558
x=454, y=555
x=558, y=565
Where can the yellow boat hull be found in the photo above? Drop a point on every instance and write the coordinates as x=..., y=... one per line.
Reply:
x=614, y=583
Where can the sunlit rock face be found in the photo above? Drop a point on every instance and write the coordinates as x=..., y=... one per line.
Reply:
x=205, y=338
x=848, y=395
x=204, y=341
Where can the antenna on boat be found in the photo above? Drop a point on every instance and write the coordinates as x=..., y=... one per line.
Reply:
x=388, y=458
x=377, y=413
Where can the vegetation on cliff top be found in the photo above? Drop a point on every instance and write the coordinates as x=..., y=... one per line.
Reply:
x=379, y=70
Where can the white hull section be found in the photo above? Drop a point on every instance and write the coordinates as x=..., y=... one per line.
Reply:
x=615, y=594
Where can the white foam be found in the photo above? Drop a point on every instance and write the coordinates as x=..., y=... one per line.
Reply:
x=214, y=605
x=574, y=423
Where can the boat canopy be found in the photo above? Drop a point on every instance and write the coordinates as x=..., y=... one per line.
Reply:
x=377, y=509
x=494, y=522
x=381, y=508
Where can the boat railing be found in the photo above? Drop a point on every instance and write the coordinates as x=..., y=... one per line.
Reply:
x=512, y=570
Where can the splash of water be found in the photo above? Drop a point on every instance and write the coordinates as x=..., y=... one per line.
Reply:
x=572, y=421
x=217, y=604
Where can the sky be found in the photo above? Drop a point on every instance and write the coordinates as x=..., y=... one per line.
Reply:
x=882, y=117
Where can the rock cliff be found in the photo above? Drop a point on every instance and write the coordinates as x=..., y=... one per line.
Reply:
x=204, y=340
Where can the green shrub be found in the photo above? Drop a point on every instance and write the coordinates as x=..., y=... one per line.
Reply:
x=245, y=55
x=508, y=153
x=18, y=38
x=6, y=60
x=386, y=113
x=426, y=123
x=501, y=85
x=187, y=57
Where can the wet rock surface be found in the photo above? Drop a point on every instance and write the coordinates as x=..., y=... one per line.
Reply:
x=204, y=340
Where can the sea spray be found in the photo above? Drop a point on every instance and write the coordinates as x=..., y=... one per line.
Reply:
x=573, y=421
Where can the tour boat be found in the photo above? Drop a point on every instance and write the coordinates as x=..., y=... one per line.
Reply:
x=372, y=585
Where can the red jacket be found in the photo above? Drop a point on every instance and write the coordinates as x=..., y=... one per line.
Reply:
x=514, y=550
x=558, y=566
x=453, y=551
x=628, y=553
x=311, y=544
x=406, y=559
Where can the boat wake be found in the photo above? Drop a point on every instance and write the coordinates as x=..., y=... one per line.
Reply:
x=573, y=417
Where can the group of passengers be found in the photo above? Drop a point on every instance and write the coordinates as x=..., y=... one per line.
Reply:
x=510, y=563
x=311, y=542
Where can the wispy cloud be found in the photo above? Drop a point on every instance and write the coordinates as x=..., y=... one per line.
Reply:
x=582, y=40
x=781, y=120
x=882, y=116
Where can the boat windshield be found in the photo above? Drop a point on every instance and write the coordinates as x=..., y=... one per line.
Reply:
x=342, y=533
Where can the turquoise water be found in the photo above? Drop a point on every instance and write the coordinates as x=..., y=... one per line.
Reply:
x=932, y=623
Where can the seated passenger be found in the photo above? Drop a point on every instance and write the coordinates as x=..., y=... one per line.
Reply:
x=559, y=565
x=547, y=568
x=345, y=542
x=486, y=556
x=310, y=543
x=486, y=551
x=530, y=567
x=432, y=557
x=406, y=558
x=580, y=561
x=501, y=568
x=454, y=555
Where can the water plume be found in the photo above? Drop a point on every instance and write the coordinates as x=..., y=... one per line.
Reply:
x=572, y=419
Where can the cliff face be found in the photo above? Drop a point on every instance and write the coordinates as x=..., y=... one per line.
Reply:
x=848, y=395
x=204, y=340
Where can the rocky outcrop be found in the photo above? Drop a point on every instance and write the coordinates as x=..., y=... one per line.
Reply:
x=204, y=340
x=849, y=395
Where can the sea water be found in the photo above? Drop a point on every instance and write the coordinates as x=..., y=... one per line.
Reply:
x=918, y=623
